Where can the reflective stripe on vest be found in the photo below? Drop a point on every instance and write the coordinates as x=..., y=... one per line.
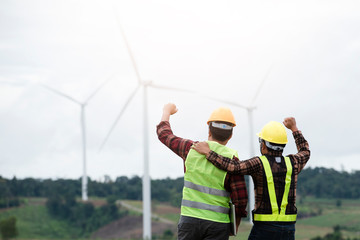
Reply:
x=199, y=205
x=276, y=216
x=207, y=190
x=204, y=194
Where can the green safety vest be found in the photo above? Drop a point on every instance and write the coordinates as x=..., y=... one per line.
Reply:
x=204, y=195
x=276, y=215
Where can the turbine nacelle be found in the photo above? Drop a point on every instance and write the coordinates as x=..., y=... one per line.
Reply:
x=146, y=83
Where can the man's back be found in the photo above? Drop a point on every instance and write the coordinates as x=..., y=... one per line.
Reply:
x=204, y=193
x=218, y=226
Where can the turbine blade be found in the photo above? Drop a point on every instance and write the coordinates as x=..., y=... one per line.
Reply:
x=119, y=116
x=261, y=85
x=98, y=88
x=129, y=49
x=196, y=93
x=12, y=83
x=225, y=101
x=170, y=88
x=60, y=93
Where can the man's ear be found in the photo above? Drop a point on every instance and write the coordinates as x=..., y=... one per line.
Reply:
x=209, y=133
x=263, y=147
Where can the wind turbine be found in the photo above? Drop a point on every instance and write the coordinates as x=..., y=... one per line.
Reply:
x=249, y=110
x=82, y=105
x=146, y=190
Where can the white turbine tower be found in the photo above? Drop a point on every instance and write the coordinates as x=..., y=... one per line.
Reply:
x=252, y=151
x=82, y=105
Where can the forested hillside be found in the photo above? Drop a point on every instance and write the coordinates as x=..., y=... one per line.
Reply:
x=329, y=183
x=317, y=182
x=324, y=195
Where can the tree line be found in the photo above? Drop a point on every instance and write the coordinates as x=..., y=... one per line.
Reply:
x=329, y=183
x=318, y=182
x=336, y=235
x=84, y=216
x=163, y=190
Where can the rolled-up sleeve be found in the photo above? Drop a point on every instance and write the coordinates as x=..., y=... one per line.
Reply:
x=302, y=157
x=178, y=145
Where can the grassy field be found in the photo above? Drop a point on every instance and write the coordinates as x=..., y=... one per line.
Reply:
x=347, y=216
x=34, y=222
x=331, y=212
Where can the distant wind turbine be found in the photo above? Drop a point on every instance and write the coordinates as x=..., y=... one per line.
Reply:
x=84, y=191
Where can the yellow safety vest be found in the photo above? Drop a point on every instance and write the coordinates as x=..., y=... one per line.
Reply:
x=204, y=194
x=276, y=215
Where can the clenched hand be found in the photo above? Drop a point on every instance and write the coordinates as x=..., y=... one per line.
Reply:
x=290, y=123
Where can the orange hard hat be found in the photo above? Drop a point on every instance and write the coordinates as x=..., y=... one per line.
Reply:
x=222, y=114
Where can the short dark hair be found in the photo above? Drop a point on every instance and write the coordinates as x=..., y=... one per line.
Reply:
x=220, y=134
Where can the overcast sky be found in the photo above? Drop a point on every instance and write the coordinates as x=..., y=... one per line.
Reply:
x=217, y=48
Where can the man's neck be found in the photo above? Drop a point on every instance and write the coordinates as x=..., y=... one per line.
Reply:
x=220, y=142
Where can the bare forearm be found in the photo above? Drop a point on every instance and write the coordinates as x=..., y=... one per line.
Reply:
x=165, y=117
x=168, y=110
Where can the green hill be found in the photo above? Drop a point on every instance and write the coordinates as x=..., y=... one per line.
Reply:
x=34, y=222
x=319, y=218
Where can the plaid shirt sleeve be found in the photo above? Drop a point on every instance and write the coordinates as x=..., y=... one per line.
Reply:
x=302, y=157
x=235, y=184
x=253, y=165
x=234, y=166
x=179, y=146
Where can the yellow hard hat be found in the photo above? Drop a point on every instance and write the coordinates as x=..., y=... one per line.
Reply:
x=273, y=132
x=222, y=115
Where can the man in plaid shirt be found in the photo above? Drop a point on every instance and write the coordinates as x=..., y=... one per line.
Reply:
x=201, y=227
x=275, y=179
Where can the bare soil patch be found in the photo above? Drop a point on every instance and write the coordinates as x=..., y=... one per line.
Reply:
x=130, y=227
x=98, y=202
x=165, y=209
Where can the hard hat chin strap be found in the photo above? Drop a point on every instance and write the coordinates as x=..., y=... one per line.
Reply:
x=273, y=147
